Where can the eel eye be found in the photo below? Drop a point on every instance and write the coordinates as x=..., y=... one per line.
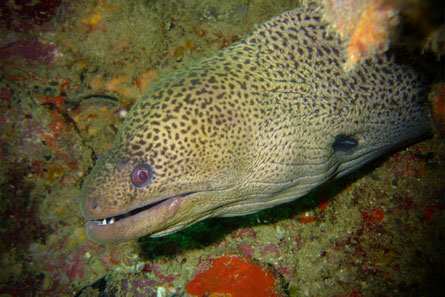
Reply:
x=141, y=175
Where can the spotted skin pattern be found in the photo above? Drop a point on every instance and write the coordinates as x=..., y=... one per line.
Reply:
x=257, y=124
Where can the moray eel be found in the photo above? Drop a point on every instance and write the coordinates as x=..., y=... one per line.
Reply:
x=257, y=124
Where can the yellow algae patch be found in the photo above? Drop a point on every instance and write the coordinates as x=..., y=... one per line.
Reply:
x=120, y=86
x=115, y=85
x=146, y=79
x=93, y=20
x=76, y=238
x=97, y=83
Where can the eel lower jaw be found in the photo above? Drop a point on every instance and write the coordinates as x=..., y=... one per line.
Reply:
x=127, y=226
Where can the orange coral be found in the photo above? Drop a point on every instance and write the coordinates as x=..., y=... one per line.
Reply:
x=372, y=33
x=365, y=25
x=232, y=276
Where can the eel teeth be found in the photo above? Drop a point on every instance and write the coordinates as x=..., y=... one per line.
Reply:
x=105, y=222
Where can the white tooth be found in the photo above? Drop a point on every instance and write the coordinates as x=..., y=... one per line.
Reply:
x=112, y=220
x=104, y=222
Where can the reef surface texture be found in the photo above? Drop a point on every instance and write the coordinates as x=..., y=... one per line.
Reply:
x=71, y=70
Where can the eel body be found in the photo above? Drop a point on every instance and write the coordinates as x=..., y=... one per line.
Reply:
x=255, y=125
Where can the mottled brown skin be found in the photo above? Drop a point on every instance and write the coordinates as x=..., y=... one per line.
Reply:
x=252, y=126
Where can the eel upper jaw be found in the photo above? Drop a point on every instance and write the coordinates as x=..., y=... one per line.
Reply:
x=124, y=226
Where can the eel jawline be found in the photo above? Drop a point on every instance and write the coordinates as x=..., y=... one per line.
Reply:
x=135, y=223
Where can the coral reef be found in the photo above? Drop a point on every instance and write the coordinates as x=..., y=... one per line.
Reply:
x=70, y=70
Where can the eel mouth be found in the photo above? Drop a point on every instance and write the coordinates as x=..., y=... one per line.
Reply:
x=134, y=212
x=137, y=222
